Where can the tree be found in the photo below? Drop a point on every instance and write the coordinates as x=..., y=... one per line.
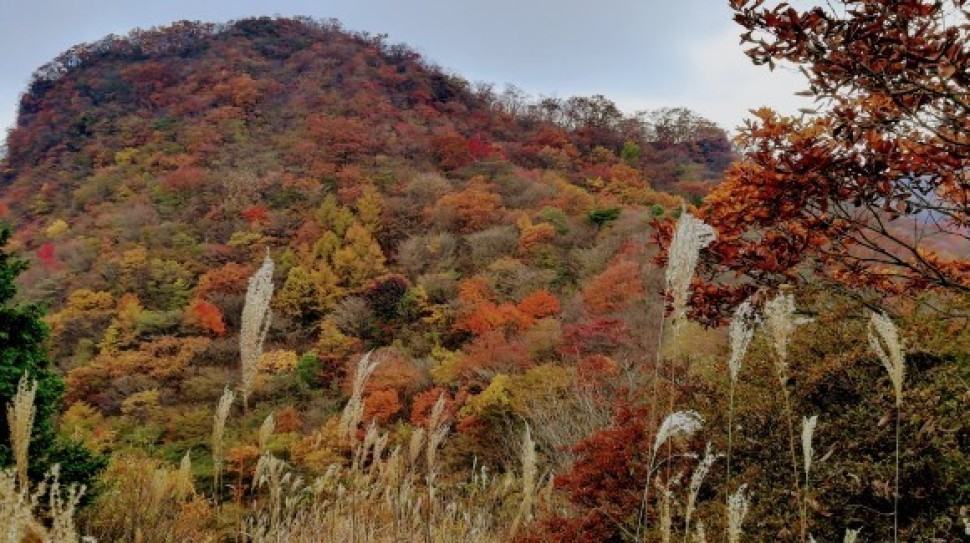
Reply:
x=22, y=336
x=863, y=187
x=360, y=259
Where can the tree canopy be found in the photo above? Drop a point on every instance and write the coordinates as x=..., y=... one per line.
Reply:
x=871, y=188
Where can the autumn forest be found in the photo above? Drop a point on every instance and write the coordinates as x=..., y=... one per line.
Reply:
x=274, y=280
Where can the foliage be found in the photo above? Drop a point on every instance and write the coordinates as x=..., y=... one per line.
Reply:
x=860, y=189
x=491, y=251
x=22, y=336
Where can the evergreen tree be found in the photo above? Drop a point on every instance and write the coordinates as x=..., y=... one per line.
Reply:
x=22, y=336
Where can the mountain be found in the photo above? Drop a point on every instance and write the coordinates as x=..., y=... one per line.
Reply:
x=489, y=247
x=148, y=174
x=467, y=340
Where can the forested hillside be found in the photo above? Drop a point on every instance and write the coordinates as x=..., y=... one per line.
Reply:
x=448, y=268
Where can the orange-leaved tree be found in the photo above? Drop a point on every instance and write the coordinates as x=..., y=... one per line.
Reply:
x=873, y=187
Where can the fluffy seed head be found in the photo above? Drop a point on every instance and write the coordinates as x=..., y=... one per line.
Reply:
x=690, y=236
x=679, y=423
x=851, y=535
x=219, y=426
x=743, y=324
x=256, y=318
x=808, y=430
x=354, y=409
x=780, y=323
x=696, y=480
x=20, y=417
x=884, y=340
x=266, y=431
x=737, y=510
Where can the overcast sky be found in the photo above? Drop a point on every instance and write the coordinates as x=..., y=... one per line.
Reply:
x=643, y=54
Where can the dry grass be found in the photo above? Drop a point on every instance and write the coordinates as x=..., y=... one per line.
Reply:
x=21, y=512
x=383, y=495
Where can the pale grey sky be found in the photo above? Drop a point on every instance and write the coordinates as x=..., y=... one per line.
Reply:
x=643, y=54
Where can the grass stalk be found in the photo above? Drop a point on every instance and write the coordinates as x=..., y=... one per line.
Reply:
x=884, y=340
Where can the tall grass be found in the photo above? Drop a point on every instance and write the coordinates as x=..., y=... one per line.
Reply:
x=690, y=236
x=20, y=418
x=218, y=431
x=740, y=333
x=737, y=509
x=780, y=323
x=680, y=423
x=391, y=494
x=696, y=480
x=256, y=319
x=884, y=340
x=808, y=431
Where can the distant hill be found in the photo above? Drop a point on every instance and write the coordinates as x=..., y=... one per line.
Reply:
x=478, y=233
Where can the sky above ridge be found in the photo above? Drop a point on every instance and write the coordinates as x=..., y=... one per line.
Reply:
x=642, y=54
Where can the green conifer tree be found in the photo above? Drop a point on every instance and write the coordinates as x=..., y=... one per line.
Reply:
x=22, y=336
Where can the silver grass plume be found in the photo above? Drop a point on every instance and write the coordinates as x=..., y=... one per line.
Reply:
x=851, y=535
x=256, y=318
x=354, y=410
x=737, y=507
x=690, y=236
x=780, y=323
x=218, y=429
x=808, y=430
x=679, y=423
x=437, y=430
x=742, y=328
x=272, y=472
x=61, y=507
x=528, y=474
x=20, y=417
x=696, y=480
x=884, y=340
x=528, y=459
x=266, y=432
x=700, y=536
x=415, y=445
x=185, y=473
x=741, y=331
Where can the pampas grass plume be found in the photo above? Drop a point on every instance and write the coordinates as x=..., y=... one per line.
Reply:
x=808, y=430
x=696, y=480
x=884, y=340
x=218, y=429
x=780, y=323
x=679, y=423
x=266, y=432
x=741, y=330
x=354, y=410
x=20, y=417
x=690, y=236
x=256, y=318
x=737, y=507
